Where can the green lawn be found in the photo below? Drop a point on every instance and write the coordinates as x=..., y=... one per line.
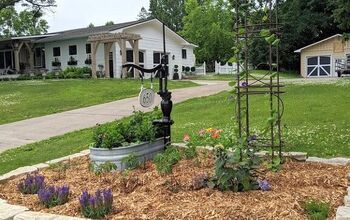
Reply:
x=255, y=73
x=27, y=99
x=316, y=120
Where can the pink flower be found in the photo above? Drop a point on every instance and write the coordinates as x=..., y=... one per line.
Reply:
x=186, y=138
x=202, y=132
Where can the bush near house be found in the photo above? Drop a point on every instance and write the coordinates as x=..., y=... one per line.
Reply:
x=68, y=73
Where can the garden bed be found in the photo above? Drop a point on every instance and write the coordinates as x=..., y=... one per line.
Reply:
x=144, y=194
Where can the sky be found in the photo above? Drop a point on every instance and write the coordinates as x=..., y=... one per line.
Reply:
x=70, y=14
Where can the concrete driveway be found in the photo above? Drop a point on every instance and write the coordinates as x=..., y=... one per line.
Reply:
x=36, y=129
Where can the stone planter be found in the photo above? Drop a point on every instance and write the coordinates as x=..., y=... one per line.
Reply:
x=144, y=152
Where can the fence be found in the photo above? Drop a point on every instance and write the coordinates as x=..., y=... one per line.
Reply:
x=201, y=69
x=225, y=69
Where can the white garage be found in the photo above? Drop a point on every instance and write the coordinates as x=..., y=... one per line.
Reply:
x=324, y=58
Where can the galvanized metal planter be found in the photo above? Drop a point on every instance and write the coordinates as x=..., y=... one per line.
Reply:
x=145, y=151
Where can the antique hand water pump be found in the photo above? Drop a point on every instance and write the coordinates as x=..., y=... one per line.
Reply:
x=146, y=99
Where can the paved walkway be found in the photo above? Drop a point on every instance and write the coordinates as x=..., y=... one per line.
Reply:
x=36, y=129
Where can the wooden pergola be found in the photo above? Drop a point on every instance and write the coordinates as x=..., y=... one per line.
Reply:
x=17, y=50
x=108, y=39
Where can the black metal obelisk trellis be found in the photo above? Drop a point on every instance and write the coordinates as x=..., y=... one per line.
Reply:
x=267, y=85
x=166, y=104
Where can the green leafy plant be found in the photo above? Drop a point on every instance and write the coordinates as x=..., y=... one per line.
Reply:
x=105, y=167
x=189, y=152
x=317, y=210
x=165, y=161
x=137, y=129
x=131, y=161
x=235, y=163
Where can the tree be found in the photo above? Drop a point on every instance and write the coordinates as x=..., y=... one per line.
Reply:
x=168, y=11
x=209, y=25
x=144, y=14
x=341, y=13
x=27, y=22
x=91, y=25
x=109, y=23
x=37, y=5
x=303, y=22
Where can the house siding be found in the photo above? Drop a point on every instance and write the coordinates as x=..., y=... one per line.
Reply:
x=333, y=47
x=64, y=58
x=152, y=41
x=151, y=34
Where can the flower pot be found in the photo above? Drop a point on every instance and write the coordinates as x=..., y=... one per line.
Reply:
x=144, y=151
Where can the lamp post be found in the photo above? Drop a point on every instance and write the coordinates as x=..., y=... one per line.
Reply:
x=166, y=104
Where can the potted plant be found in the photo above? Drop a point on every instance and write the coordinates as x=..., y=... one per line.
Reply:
x=88, y=61
x=135, y=136
x=176, y=72
x=56, y=63
x=72, y=61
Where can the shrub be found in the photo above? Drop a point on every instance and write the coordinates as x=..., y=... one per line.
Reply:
x=187, y=69
x=193, y=69
x=75, y=73
x=138, y=128
x=165, y=161
x=317, y=210
x=53, y=196
x=31, y=184
x=190, y=152
x=97, y=206
x=105, y=167
x=176, y=76
x=131, y=161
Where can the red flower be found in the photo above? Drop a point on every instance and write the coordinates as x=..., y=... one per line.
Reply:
x=186, y=138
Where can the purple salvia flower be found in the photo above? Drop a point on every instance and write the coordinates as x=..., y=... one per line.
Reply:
x=53, y=196
x=31, y=184
x=97, y=206
x=264, y=185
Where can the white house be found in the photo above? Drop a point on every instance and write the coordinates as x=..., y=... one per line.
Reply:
x=325, y=58
x=76, y=48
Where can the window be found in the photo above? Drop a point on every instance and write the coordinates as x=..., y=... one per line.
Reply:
x=319, y=66
x=2, y=60
x=130, y=56
x=157, y=56
x=56, y=51
x=39, y=57
x=88, y=48
x=184, y=54
x=73, y=50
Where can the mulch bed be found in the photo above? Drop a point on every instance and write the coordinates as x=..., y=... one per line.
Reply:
x=143, y=194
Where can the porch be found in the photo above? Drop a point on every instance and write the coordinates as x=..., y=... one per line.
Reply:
x=20, y=56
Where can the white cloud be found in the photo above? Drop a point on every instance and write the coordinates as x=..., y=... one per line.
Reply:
x=70, y=14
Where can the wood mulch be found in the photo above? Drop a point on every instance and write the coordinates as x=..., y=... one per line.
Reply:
x=143, y=194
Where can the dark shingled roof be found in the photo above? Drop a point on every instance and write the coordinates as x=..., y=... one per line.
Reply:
x=85, y=32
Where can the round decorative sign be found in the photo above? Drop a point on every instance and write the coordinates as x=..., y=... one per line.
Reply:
x=146, y=98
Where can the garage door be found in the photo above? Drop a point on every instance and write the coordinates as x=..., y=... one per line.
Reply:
x=319, y=66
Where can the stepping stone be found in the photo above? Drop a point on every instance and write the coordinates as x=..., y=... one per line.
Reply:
x=343, y=213
x=333, y=161
x=347, y=201
x=18, y=172
x=42, y=216
x=299, y=156
x=2, y=201
x=8, y=212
